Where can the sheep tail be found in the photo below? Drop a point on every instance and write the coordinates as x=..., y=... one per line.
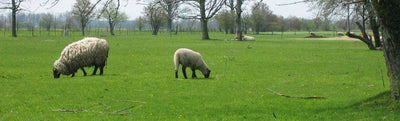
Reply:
x=176, y=61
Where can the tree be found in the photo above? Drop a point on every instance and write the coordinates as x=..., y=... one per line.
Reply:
x=259, y=13
x=246, y=22
x=231, y=5
x=46, y=21
x=139, y=23
x=155, y=16
x=207, y=9
x=3, y=22
x=389, y=21
x=171, y=9
x=360, y=8
x=113, y=15
x=239, y=11
x=225, y=20
x=364, y=10
x=83, y=11
x=14, y=6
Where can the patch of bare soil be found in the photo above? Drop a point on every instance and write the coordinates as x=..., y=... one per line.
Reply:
x=334, y=38
x=346, y=38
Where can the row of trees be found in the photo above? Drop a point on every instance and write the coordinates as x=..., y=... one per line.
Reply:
x=48, y=22
x=83, y=11
x=259, y=19
x=164, y=14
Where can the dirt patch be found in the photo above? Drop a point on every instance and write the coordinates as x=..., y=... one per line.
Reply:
x=332, y=38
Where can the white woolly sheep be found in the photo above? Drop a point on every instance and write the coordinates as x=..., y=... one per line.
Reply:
x=340, y=34
x=83, y=53
x=192, y=59
x=248, y=38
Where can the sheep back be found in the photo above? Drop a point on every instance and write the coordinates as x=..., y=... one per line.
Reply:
x=248, y=38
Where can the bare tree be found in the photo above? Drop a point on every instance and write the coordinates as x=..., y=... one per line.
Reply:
x=113, y=15
x=260, y=12
x=225, y=19
x=207, y=9
x=14, y=6
x=47, y=21
x=364, y=11
x=155, y=16
x=360, y=8
x=84, y=11
x=139, y=23
x=391, y=33
x=239, y=11
x=231, y=5
x=171, y=9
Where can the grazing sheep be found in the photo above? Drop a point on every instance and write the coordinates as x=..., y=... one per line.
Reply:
x=192, y=59
x=340, y=34
x=248, y=38
x=83, y=53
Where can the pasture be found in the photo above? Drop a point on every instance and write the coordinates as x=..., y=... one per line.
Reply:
x=139, y=83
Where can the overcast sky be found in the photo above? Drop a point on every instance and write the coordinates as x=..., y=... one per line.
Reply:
x=135, y=10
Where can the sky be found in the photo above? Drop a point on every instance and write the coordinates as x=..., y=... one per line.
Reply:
x=135, y=10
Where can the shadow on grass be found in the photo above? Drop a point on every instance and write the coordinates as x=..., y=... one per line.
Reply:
x=201, y=78
x=381, y=100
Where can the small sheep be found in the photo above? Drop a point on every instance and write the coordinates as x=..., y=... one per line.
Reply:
x=340, y=34
x=83, y=53
x=192, y=59
x=248, y=38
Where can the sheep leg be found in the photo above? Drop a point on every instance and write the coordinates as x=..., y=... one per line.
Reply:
x=194, y=73
x=95, y=70
x=101, y=69
x=184, y=71
x=84, y=72
x=176, y=73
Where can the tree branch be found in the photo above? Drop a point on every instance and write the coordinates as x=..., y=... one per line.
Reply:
x=311, y=97
x=91, y=111
x=303, y=1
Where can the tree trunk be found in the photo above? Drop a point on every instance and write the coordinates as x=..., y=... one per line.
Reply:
x=366, y=41
x=365, y=38
x=239, y=20
x=373, y=23
x=155, y=29
x=204, y=29
x=176, y=29
x=389, y=20
x=348, y=19
x=14, y=10
x=169, y=15
x=169, y=25
x=112, y=26
x=83, y=30
x=203, y=21
x=375, y=31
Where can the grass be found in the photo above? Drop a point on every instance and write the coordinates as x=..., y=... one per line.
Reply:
x=140, y=73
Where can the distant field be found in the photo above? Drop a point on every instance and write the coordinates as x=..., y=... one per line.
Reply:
x=140, y=73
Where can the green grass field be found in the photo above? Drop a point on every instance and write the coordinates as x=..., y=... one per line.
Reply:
x=140, y=73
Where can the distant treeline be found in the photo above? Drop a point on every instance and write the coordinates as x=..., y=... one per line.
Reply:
x=65, y=21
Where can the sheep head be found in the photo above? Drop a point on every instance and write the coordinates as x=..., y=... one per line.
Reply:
x=56, y=73
x=58, y=68
x=206, y=72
